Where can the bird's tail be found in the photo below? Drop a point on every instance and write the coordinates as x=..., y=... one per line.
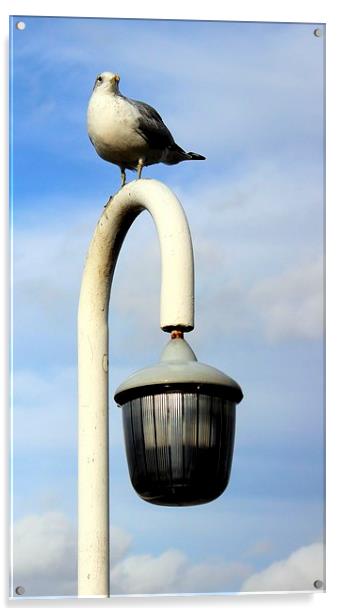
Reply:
x=194, y=156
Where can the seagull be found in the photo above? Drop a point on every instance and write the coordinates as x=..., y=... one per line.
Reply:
x=129, y=133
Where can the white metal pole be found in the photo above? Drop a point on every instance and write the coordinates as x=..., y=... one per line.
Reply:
x=177, y=312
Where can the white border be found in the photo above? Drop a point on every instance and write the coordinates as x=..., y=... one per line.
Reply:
x=290, y=11
x=244, y=10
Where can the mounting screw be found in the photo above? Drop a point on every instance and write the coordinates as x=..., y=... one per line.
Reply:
x=19, y=590
x=20, y=25
x=317, y=32
x=318, y=584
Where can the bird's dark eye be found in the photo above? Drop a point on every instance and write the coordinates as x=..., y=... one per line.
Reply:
x=99, y=79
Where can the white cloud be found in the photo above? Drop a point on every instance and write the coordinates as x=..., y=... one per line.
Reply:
x=298, y=572
x=172, y=572
x=45, y=563
x=282, y=307
x=146, y=573
x=290, y=305
x=45, y=553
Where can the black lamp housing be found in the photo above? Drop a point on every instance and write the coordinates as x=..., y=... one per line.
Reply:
x=179, y=427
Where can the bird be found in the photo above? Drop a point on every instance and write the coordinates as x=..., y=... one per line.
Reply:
x=128, y=132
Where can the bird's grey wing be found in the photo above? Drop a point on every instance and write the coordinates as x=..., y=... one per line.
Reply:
x=152, y=127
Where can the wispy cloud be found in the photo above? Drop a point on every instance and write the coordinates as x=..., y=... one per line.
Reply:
x=250, y=265
x=45, y=411
x=291, y=305
x=252, y=90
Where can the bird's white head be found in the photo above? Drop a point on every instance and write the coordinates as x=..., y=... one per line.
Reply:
x=107, y=82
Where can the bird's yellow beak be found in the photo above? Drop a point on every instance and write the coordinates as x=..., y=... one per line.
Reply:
x=115, y=79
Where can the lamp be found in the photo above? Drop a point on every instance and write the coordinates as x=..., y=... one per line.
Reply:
x=179, y=416
x=179, y=426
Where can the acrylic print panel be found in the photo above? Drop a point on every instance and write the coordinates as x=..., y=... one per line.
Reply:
x=249, y=97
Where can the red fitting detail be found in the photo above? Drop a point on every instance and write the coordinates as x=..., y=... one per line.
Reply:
x=176, y=333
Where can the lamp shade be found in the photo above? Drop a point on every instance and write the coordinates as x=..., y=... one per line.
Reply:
x=179, y=426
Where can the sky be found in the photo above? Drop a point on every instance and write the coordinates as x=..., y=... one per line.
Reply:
x=249, y=96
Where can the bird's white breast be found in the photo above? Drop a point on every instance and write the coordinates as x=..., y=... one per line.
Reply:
x=112, y=122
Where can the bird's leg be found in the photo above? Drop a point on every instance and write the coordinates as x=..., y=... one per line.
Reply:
x=122, y=176
x=140, y=167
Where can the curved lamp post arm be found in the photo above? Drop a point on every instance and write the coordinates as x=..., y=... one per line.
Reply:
x=177, y=312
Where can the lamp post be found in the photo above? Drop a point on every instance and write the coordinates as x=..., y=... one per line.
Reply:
x=179, y=415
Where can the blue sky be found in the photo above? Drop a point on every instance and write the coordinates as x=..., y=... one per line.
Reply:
x=250, y=98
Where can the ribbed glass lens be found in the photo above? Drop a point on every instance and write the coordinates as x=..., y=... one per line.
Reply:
x=179, y=446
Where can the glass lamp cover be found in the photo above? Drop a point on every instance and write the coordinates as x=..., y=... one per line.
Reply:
x=179, y=446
